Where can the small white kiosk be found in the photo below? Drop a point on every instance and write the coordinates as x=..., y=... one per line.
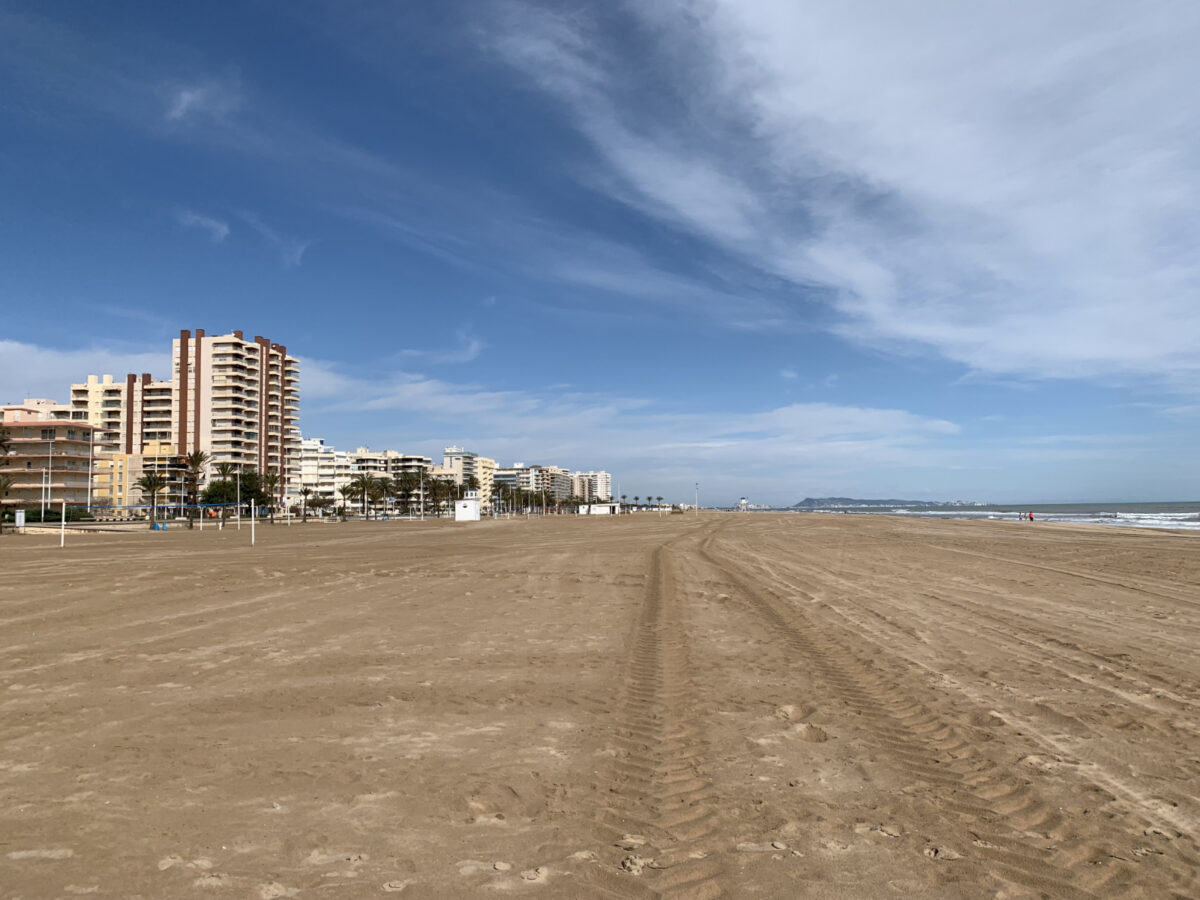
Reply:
x=467, y=509
x=600, y=509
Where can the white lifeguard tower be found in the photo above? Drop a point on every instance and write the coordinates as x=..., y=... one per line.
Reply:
x=467, y=509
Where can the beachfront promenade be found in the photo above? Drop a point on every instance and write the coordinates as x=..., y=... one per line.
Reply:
x=677, y=706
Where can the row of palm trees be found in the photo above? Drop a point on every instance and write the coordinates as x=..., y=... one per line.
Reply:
x=229, y=485
x=657, y=501
x=407, y=491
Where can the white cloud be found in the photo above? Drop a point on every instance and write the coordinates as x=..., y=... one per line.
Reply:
x=790, y=374
x=1009, y=186
x=217, y=230
x=28, y=370
x=290, y=249
x=214, y=99
x=627, y=435
x=468, y=349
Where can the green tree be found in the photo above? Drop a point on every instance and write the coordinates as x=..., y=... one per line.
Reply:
x=195, y=461
x=406, y=486
x=219, y=492
x=305, y=493
x=152, y=483
x=659, y=499
x=377, y=493
x=348, y=493
x=362, y=484
x=387, y=492
x=270, y=487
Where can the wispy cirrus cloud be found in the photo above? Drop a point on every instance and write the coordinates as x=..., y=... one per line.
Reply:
x=32, y=370
x=467, y=349
x=213, y=99
x=628, y=434
x=217, y=229
x=1006, y=186
x=291, y=250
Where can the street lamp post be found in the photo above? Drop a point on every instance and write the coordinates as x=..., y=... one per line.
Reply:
x=697, y=498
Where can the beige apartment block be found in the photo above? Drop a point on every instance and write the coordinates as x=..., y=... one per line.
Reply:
x=592, y=485
x=465, y=465
x=116, y=479
x=49, y=460
x=553, y=481
x=237, y=400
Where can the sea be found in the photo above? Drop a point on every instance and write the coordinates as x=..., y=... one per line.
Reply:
x=1179, y=515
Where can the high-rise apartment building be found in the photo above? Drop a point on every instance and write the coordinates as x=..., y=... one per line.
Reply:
x=551, y=480
x=235, y=399
x=592, y=485
x=467, y=465
x=238, y=400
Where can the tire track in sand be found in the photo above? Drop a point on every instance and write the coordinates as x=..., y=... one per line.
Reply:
x=1023, y=837
x=661, y=806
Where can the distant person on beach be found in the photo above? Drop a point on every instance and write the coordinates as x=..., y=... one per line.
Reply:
x=1031, y=517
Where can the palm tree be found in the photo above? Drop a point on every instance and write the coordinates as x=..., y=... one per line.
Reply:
x=362, y=483
x=305, y=493
x=195, y=461
x=623, y=496
x=471, y=484
x=407, y=485
x=270, y=484
x=377, y=494
x=387, y=491
x=348, y=493
x=152, y=483
x=659, y=499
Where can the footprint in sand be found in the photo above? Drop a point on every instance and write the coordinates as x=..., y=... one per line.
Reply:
x=538, y=875
x=941, y=853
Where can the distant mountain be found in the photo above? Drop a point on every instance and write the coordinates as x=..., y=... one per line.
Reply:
x=840, y=502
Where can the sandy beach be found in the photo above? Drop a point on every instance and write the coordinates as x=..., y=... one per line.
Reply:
x=721, y=705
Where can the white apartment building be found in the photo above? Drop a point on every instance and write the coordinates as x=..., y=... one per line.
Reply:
x=592, y=485
x=554, y=481
x=325, y=470
x=465, y=465
x=321, y=469
x=238, y=400
x=235, y=399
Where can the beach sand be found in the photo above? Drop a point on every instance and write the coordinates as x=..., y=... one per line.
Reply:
x=824, y=706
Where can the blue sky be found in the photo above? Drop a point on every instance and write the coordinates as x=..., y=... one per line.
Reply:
x=782, y=249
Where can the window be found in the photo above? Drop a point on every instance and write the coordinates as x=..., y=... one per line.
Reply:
x=47, y=434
